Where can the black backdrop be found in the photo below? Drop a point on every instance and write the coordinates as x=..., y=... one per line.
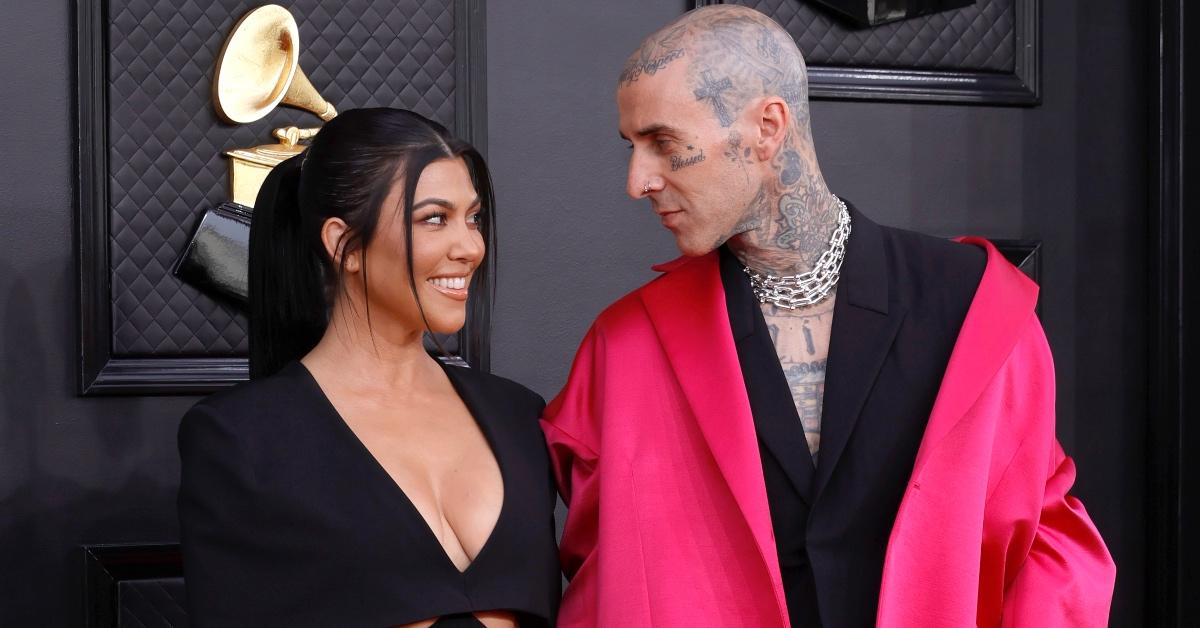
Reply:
x=1074, y=172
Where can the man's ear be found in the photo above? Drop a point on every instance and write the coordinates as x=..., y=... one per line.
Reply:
x=773, y=123
x=333, y=238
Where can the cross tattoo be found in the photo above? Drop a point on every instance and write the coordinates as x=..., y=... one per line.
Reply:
x=711, y=91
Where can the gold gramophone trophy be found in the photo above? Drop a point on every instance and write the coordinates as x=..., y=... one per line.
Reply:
x=258, y=70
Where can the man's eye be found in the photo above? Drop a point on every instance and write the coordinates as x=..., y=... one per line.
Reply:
x=662, y=144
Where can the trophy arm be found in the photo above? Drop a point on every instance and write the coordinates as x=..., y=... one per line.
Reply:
x=292, y=135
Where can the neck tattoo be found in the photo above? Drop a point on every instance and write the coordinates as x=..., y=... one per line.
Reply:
x=810, y=288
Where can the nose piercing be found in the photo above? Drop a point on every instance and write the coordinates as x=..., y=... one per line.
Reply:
x=646, y=188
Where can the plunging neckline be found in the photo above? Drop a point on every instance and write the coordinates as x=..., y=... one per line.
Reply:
x=404, y=499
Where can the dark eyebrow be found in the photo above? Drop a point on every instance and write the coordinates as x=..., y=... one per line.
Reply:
x=443, y=203
x=653, y=129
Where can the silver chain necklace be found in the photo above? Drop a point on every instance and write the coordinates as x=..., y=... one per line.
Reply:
x=810, y=288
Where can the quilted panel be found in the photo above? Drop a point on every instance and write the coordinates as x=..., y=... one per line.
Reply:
x=975, y=38
x=151, y=603
x=166, y=145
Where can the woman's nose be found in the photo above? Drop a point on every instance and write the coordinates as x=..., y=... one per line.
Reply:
x=468, y=243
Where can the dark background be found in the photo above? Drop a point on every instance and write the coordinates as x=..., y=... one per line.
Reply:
x=1073, y=172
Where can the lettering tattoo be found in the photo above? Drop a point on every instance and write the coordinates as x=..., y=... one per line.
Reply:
x=678, y=162
x=656, y=53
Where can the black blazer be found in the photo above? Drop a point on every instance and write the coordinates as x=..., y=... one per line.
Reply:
x=287, y=520
x=901, y=301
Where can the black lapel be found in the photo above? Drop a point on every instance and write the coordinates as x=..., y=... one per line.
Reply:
x=775, y=419
x=489, y=412
x=865, y=322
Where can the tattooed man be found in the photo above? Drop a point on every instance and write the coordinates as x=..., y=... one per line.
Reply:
x=809, y=419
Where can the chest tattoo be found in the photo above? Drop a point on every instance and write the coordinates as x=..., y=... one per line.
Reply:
x=801, y=339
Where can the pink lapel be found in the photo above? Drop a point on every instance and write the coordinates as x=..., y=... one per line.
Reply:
x=932, y=568
x=687, y=308
x=1002, y=305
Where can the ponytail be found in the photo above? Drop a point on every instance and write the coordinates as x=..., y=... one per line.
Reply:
x=287, y=300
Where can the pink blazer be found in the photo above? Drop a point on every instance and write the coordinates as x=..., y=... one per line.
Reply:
x=668, y=525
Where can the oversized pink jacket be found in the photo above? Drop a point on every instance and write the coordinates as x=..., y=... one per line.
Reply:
x=668, y=524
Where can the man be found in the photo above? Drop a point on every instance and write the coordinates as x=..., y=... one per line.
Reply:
x=809, y=419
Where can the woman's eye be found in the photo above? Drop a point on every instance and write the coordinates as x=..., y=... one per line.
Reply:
x=435, y=219
x=475, y=219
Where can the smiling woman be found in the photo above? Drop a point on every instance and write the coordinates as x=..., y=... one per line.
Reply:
x=357, y=480
x=359, y=183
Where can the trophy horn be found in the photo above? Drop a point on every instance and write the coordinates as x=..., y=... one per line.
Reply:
x=258, y=69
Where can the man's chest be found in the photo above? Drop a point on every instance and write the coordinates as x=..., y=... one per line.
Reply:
x=801, y=341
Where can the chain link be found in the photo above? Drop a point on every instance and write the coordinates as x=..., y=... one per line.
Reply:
x=810, y=288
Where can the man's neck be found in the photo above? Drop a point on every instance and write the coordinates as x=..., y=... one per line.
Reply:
x=789, y=224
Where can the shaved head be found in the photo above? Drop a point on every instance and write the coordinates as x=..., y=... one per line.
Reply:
x=715, y=107
x=731, y=55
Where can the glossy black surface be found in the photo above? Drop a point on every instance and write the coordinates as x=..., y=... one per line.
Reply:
x=217, y=256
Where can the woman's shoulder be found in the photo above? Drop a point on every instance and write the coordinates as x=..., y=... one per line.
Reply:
x=252, y=404
x=496, y=388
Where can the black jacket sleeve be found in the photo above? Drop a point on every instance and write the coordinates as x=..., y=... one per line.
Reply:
x=216, y=512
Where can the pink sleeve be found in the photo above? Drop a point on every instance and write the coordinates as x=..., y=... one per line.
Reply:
x=574, y=469
x=1067, y=578
x=1067, y=575
x=570, y=419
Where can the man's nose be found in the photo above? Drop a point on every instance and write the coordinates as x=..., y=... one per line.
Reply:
x=641, y=171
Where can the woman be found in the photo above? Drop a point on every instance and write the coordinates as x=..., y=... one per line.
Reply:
x=358, y=481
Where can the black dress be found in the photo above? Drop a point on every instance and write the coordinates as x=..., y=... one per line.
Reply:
x=288, y=520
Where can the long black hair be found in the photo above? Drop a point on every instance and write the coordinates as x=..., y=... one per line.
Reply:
x=347, y=173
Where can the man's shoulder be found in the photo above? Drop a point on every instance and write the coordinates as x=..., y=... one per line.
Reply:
x=931, y=262
x=674, y=274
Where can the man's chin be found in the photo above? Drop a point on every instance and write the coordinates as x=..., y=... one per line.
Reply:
x=694, y=247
